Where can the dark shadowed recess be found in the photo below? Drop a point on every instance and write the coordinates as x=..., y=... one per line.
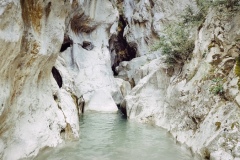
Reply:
x=124, y=51
x=123, y=111
x=67, y=42
x=87, y=45
x=57, y=76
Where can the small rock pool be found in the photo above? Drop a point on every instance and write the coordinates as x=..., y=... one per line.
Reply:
x=113, y=137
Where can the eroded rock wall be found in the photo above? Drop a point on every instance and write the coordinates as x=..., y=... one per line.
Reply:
x=85, y=65
x=184, y=100
x=31, y=33
x=146, y=18
x=40, y=104
x=44, y=90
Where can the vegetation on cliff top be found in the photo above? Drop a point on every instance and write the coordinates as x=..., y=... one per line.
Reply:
x=232, y=5
x=176, y=44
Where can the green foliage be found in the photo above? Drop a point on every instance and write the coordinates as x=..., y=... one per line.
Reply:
x=237, y=69
x=204, y=54
x=191, y=18
x=217, y=86
x=232, y=4
x=175, y=44
x=204, y=5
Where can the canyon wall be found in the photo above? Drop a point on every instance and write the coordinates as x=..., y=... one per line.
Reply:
x=85, y=66
x=59, y=59
x=55, y=64
x=31, y=35
x=198, y=102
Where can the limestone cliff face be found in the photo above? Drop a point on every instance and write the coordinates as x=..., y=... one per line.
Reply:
x=146, y=19
x=197, y=103
x=85, y=65
x=31, y=34
x=55, y=64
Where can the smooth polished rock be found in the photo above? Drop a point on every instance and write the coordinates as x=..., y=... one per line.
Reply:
x=101, y=101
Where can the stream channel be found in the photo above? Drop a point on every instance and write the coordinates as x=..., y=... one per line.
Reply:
x=113, y=137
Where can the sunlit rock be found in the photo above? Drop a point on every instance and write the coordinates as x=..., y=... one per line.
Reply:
x=86, y=64
x=101, y=101
x=198, y=103
x=125, y=86
x=31, y=36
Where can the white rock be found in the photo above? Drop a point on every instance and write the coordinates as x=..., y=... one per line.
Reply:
x=125, y=86
x=183, y=103
x=236, y=150
x=86, y=71
x=30, y=118
x=220, y=155
x=28, y=87
x=101, y=101
x=70, y=113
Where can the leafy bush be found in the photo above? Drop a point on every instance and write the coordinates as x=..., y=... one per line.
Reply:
x=217, y=86
x=230, y=4
x=193, y=18
x=237, y=70
x=196, y=18
x=175, y=44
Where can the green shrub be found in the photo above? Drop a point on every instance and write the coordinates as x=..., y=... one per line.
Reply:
x=237, y=67
x=233, y=5
x=237, y=70
x=196, y=18
x=217, y=86
x=193, y=18
x=204, y=5
x=175, y=44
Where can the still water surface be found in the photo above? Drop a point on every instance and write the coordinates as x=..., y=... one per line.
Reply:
x=112, y=137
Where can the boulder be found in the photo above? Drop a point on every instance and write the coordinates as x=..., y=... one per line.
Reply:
x=124, y=86
x=101, y=101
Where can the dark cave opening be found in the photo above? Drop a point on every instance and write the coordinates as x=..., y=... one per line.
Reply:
x=123, y=108
x=57, y=76
x=123, y=50
x=67, y=42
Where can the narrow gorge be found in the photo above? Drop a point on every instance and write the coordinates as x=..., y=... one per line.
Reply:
x=174, y=64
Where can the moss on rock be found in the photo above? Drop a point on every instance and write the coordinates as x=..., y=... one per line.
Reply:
x=237, y=69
